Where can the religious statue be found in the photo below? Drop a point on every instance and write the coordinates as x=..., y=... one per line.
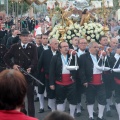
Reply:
x=86, y=16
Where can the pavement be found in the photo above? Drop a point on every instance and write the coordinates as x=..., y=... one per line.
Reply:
x=84, y=114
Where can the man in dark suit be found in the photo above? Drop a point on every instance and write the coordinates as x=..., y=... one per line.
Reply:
x=63, y=80
x=115, y=64
x=13, y=39
x=24, y=55
x=74, y=44
x=3, y=50
x=91, y=78
x=44, y=62
x=41, y=74
x=82, y=44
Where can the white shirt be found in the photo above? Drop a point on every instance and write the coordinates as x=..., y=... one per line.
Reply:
x=38, y=31
x=80, y=52
x=45, y=47
x=64, y=63
x=24, y=44
x=75, y=48
x=117, y=56
x=95, y=70
x=53, y=52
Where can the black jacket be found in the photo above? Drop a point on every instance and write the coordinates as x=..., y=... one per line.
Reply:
x=25, y=58
x=86, y=67
x=55, y=71
x=44, y=61
x=112, y=61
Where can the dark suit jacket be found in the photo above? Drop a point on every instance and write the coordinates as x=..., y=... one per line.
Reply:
x=3, y=50
x=55, y=71
x=86, y=67
x=25, y=58
x=112, y=61
x=40, y=50
x=44, y=61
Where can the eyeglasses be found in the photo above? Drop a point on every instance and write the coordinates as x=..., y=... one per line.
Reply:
x=96, y=47
x=64, y=46
x=83, y=43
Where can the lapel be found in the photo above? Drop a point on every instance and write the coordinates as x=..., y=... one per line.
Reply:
x=89, y=57
x=118, y=63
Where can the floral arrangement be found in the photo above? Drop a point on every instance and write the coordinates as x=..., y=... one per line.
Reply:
x=70, y=32
x=92, y=31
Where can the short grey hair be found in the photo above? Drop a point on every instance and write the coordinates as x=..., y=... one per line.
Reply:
x=91, y=44
x=50, y=41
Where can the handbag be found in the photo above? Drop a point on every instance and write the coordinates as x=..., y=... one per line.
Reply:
x=75, y=67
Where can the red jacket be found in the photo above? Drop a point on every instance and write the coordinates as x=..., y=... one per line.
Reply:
x=14, y=115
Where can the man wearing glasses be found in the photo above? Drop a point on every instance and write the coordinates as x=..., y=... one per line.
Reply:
x=63, y=80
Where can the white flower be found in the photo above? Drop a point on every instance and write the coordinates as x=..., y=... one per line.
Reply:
x=102, y=33
x=97, y=36
x=78, y=34
x=69, y=32
x=68, y=37
x=85, y=23
x=70, y=41
x=92, y=35
x=88, y=38
x=91, y=31
x=75, y=31
x=88, y=32
x=76, y=26
x=83, y=33
x=65, y=35
x=73, y=35
x=86, y=27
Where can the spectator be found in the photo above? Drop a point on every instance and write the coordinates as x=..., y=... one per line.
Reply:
x=13, y=89
x=56, y=115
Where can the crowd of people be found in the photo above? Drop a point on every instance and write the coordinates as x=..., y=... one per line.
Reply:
x=65, y=71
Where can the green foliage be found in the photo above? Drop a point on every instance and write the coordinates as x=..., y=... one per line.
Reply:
x=13, y=6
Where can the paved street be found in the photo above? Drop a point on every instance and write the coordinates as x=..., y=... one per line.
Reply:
x=84, y=115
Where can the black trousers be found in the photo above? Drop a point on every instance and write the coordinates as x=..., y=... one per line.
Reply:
x=117, y=93
x=50, y=93
x=41, y=88
x=96, y=92
x=80, y=89
x=108, y=78
x=63, y=92
x=30, y=96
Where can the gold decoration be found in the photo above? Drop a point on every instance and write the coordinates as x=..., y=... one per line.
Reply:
x=39, y=2
x=62, y=31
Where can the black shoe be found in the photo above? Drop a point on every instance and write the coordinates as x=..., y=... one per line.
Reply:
x=36, y=99
x=78, y=114
x=95, y=114
x=90, y=118
x=100, y=118
x=41, y=111
x=109, y=114
x=49, y=108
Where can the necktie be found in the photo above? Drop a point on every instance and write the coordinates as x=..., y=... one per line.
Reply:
x=23, y=46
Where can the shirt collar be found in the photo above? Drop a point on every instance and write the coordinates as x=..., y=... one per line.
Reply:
x=24, y=44
x=117, y=56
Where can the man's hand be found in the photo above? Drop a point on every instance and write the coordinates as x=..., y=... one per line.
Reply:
x=52, y=87
x=29, y=70
x=85, y=84
x=16, y=67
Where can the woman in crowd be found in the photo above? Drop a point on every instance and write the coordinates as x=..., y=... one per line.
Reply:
x=13, y=89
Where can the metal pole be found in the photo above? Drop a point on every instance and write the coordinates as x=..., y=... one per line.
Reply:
x=7, y=7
